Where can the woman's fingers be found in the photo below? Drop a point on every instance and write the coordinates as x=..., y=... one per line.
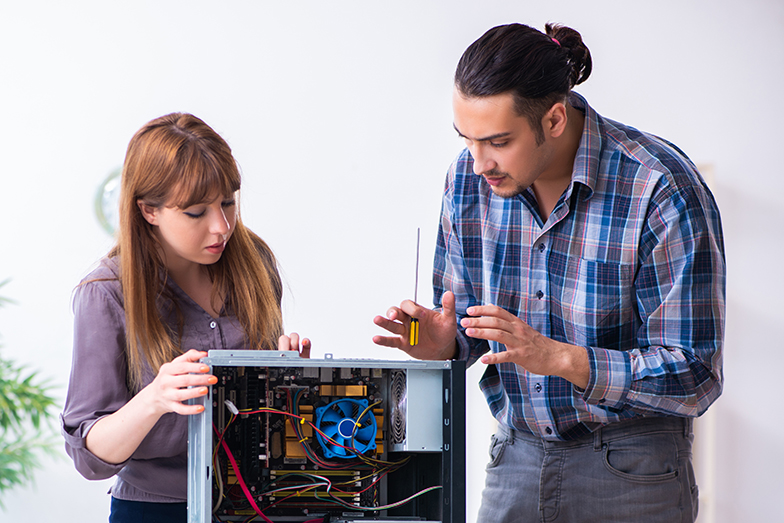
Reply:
x=292, y=342
x=305, y=352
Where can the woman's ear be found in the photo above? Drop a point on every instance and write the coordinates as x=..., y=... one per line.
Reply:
x=149, y=212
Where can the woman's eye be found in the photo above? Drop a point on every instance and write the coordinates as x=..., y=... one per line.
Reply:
x=228, y=203
x=194, y=214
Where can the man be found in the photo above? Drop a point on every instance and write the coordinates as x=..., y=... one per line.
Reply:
x=587, y=258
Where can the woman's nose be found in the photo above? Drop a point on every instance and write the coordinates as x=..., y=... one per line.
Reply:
x=220, y=222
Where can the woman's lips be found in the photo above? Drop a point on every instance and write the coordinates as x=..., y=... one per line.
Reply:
x=217, y=248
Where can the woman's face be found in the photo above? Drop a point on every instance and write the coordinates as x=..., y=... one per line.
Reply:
x=196, y=234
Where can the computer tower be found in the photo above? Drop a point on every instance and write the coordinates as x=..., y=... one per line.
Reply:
x=288, y=439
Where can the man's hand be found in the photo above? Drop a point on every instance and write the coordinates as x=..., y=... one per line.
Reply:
x=437, y=329
x=525, y=346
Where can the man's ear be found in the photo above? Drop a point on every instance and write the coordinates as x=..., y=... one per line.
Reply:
x=554, y=121
x=149, y=212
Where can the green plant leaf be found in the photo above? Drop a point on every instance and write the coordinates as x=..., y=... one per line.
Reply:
x=27, y=412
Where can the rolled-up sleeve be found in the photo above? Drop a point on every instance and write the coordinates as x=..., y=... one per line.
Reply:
x=97, y=384
x=676, y=369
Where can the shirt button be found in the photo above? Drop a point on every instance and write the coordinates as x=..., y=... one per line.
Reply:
x=539, y=294
x=541, y=247
x=538, y=387
x=548, y=430
x=213, y=325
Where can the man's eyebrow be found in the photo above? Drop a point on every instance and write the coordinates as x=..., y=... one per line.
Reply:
x=485, y=139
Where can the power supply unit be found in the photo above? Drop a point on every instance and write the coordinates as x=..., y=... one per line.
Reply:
x=288, y=439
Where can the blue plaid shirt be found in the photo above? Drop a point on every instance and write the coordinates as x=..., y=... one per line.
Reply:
x=630, y=265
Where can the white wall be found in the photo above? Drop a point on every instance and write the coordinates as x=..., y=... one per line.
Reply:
x=339, y=114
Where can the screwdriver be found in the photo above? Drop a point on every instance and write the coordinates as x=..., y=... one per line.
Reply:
x=413, y=333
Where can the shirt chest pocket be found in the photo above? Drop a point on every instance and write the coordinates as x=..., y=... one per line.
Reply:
x=598, y=305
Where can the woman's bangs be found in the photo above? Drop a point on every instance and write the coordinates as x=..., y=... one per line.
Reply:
x=201, y=179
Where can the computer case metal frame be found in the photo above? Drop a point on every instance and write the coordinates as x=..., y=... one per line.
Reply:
x=450, y=415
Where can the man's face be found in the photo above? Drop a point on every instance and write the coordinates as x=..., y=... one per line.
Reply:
x=501, y=142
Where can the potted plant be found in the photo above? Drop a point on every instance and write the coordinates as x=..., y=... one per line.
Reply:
x=26, y=413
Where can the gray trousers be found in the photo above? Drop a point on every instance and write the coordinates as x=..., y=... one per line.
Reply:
x=635, y=471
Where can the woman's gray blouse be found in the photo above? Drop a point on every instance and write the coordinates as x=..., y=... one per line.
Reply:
x=157, y=471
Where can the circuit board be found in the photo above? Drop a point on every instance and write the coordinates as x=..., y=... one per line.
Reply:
x=326, y=441
x=295, y=428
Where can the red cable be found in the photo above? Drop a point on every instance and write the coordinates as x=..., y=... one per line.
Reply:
x=242, y=483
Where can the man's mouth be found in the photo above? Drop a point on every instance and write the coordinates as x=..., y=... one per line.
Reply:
x=494, y=181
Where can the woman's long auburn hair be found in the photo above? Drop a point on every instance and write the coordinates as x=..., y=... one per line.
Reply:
x=178, y=160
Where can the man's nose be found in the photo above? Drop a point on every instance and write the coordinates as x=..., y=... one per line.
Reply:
x=482, y=162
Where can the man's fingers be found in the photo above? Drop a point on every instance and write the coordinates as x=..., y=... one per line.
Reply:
x=487, y=322
x=496, y=358
x=392, y=326
x=448, y=305
x=388, y=341
x=410, y=309
x=492, y=334
x=490, y=311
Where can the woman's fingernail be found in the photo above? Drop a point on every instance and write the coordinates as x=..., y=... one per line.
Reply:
x=213, y=380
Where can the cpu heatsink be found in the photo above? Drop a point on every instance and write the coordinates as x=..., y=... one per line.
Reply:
x=349, y=424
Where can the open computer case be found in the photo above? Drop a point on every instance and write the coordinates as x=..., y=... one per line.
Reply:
x=288, y=439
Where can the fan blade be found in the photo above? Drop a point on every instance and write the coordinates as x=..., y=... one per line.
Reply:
x=330, y=431
x=340, y=451
x=330, y=416
x=346, y=407
x=366, y=434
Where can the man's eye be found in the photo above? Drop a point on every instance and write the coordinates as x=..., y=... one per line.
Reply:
x=498, y=144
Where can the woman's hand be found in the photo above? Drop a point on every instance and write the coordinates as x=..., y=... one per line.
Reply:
x=292, y=343
x=116, y=437
x=181, y=379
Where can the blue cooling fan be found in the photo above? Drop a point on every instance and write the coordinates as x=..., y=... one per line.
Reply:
x=339, y=420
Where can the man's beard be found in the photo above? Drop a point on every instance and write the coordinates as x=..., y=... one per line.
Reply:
x=505, y=193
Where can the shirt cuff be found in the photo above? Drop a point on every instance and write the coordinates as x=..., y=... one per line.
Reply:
x=463, y=348
x=87, y=464
x=610, y=379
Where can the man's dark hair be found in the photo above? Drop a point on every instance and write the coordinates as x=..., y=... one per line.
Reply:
x=539, y=69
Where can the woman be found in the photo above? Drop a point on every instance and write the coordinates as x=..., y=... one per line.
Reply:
x=185, y=277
